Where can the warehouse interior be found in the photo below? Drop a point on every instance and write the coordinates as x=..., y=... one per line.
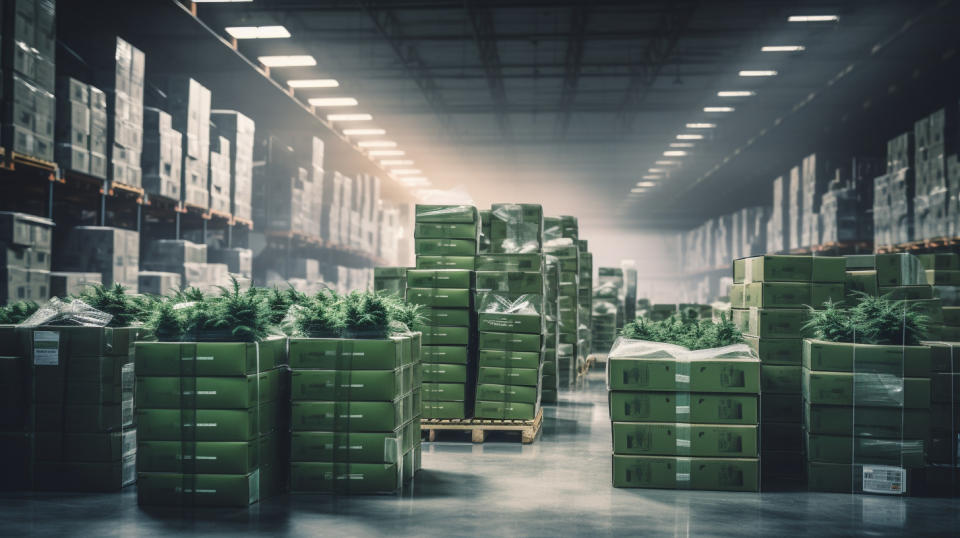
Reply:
x=503, y=267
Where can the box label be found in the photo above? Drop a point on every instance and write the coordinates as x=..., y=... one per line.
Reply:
x=46, y=348
x=884, y=479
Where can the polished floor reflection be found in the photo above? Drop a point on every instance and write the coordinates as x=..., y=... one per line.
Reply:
x=558, y=486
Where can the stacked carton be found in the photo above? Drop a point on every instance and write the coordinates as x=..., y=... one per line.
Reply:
x=446, y=239
x=25, y=247
x=942, y=450
x=211, y=422
x=893, y=195
x=684, y=420
x=585, y=303
x=484, y=247
x=66, y=283
x=218, y=175
x=794, y=209
x=942, y=271
x=282, y=189
x=29, y=49
x=331, y=209
x=188, y=102
x=157, y=282
x=355, y=414
x=239, y=261
x=239, y=131
x=392, y=280
x=551, y=336
x=778, y=227
x=562, y=233
x=604, y=320
x=70, y=423
x=186, y=259
x=391, y=235
x=610, y=280
x=73, y=125
x=814, y=179
x=162, y=158
x=123, y=87
x=935, y=200
x=112, y=252
x=771, y=296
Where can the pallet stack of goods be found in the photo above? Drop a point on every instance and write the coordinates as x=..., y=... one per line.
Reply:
x=610, y=280
x=604, y=320
x=211, y=420
x=188, y=103
x=81, y=127
x=814, y=182
x=551, y=336
x=69, y=381
x=29, y=78
x=484, y=247
x=771, y=296
x=239, y=131
x=162, y=159
x=282, y=189
x=239, y=261
x=893, y=221
x=355, y=413
x=942, y=271
x=444, y=282
x=935, y=203
x=584, y=303
x=218, y=175
x=558, y=243
x=846, y=206
x=629, y=291
x=112, y=252
x=392, y=280
x=188, y=260
x=944, y=441
x=26, y=243
x=682, y=419
x=392, y=234
x=123, y=82
x=778, y=227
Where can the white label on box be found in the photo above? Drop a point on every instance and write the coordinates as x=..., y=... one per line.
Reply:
x=46, y=348
x=884, y=479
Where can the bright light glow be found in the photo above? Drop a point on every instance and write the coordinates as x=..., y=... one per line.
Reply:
x=396, y=162
x=349, y=117
x=406, y=171
x=646, y=184
x=718, y=109
x=783, y=48
x=387, y=153
x=638, y=190
x=257, y=32
x=414, y=181
x=813, y=18
x=689, y=137
x=701, y=125
x=674, y=153
x=652, y=177
x=681, y=144
x=364, y=132
x=314, y=83
x=377, y=144
x=656, y=170
x=666, y=163
x=758, y=73
x=736, y=93
x=287, y=61
x=332, y=102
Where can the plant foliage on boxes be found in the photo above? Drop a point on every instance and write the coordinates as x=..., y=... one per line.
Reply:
x=685, y=329
x=125, y=310
x=15, y=313
x=234, y=315
x=873, y=320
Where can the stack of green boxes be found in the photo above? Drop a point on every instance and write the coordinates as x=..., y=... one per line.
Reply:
x=484, y=246
x=68, y=408
x=611, y=279
x=211, y=421
x=604, y=324
x=447, y=238
x=565, y=249
x=684, y=420
x=355, y=414
x=943, y=450
x=901, y=277
x=660, y=311
x=866, y=415
x=584, y=302
x=942, y=271
x=771, y=296
x=392, y=280
x=551, y=338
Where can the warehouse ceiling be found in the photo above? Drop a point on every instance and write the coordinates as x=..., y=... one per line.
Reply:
x=571, y=103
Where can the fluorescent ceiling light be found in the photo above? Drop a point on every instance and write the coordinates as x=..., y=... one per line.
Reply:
x=646, y=184
x=314, y=83
x=406, y=171
x=681, y=144
x=701, y=125
x=651, y=177
x=349, y=117
x=364, y=132
x=718, y=109
x=668, y=162
x=813, y=18
x=257, y=32
x=758, y=73
x=674, y=153
x=331, y=102
x=736, y=93
x=637, y=190
x=396, y=162
x=387, y=153
x=414, y=181
x=656, y=170
x=689, y=137
x=288, y=61
x=377, y=144
x=783, y=48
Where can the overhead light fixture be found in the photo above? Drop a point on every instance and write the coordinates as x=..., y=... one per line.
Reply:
x=377, y=144
x=689, y=137
x=656, y=170
x=646, y=184
x=288, y=61
x=718, y=109
x=332, y=102
x=674, y=153
x=650, y=176
x=736, y=93
x=396, y=162
x=701, y=125
x=758, y=73
x=813, y=18
x=349, y=117
x=364, y=132
x=681, y=144
x=665, y=163
x=387, y=153
x=414, y=181
x=314, y=83
x=257, y=32
x=783, y=48
x=406, y=171
x=638, y=190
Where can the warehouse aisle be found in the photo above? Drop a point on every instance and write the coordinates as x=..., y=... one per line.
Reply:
x=560, y=485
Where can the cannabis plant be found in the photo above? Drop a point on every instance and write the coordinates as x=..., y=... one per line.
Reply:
x=125, y=309
x=366, y=315
x=831, y=323
x=404, y=316
x=241, y=312
x=685, y=330
x=319, y=316
x=873, y=320
x=165, y=322
x=14, y=313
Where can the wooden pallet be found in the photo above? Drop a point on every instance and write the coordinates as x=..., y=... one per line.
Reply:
x=479, y=427
x=243, y=222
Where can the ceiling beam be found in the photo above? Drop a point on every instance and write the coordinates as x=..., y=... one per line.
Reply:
x=480, y=18
x=573, y=61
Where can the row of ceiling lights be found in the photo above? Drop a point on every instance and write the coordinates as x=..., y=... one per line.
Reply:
x=385, y=150
x=677, y=150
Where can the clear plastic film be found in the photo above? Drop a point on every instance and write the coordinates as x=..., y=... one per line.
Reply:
x=446, y=213
x=495, y=303
x=67, y=313
x=557, y=243
x=516, y=228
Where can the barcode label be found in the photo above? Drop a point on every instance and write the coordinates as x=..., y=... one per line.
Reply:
x=884, y=479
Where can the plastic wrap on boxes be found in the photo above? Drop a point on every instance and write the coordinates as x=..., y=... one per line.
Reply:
x=516, y=228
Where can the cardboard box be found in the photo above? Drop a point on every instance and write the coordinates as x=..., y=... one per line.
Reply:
x=699, y=440
x=208, y=457
x=785, y=351
x=440, y=297
x=784, y=408
x=778, y=322
x=83, y=418
x=511, y=281
x=908, y=293
x=439, y=230
x=863, y=450
x=206, y=424
x=704, y=408
x=942, y=277
x=509, y=376
x=49, y=346
x=846, y=478
x=862, y=282
x=447, y=214
x=509, y=359
x=510, y=323
x=790, y=294
x=782, y=268
x=447, y=392
x=948, y=261
x=448, y=317
x=777, y=379
x=905, y=361
x=444, y=409
x=872, y=390
x=352, y=385
x=445, y=262
x=728, y=375
x=351, y=416
x=664, y=472
x=348, y=447
x=446, y=336
x=345, y=354
x=510, y=341
x=510, y=262
x=445, y=354
x=491, y=392
x=344, y=478
x=208, y=358
x=175, y=489
x=878, y=422
x=445, y=373
x=86, y=476
x=241, y=392
x=85, y=447
x=440, y=278
x=445, y=247
x=500, y=410
x=899, y=270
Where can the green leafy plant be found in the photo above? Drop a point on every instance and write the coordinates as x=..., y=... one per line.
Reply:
x=242, y=313
x=873, y=320
x=125, y=309
x=366, y=315
x=831, y=323
x=685, y=329
x=165, y=322
x=406, y=316
x=14, y=313
x=319, y=316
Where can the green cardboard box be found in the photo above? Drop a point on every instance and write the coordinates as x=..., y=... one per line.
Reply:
x=785, y=408
x=703, y=408
x=944, y=356
x=776, y=379
x=80, y=391
x=875, y=422
x=781, y=437
x=346, y=354
x=85, y=447
x=510, y=341
x=207, y=457
x=666, y=472
x=444, y=409
x=85, y=476
x=389, y=272
x=951, y=316
x=790, y=294
x=206, y=424
x=778, y=322
x=445, y=262
x=51, y=345
x=445, y=354
x=240, y=392
x=446, y=213
x=945, y=388
x=948, y=261
x=445, y=230
x=347, y=416
x=905, y=361
x=445, y=392
x=106, y=370
x=899, y=270
x=784, y=351
x=83, y=418
x=508, y=359
x=863, y=450
x=510, y=323
x=510, y=262
x=347, y=447
x=445, y=247
x=511, y=281
x=448, y=317
x=699, y=440
x=906, y=293
x=440, y=278
x=209, y=358
x=738, y=295
x=846, y=478
x=781, y=268
x=740, y=317
x=335, y=385
x=446, y=336
x=728, y=375
x=507, y=393
x=860, y=282
x=505, y=410
x=440, y=297
x=175, y=489
x=509, y=376
x=870, y=390
x=940, y=277
x=445, y=373
x=345, y=478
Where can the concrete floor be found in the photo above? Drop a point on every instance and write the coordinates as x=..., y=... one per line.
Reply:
x=557, y=486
